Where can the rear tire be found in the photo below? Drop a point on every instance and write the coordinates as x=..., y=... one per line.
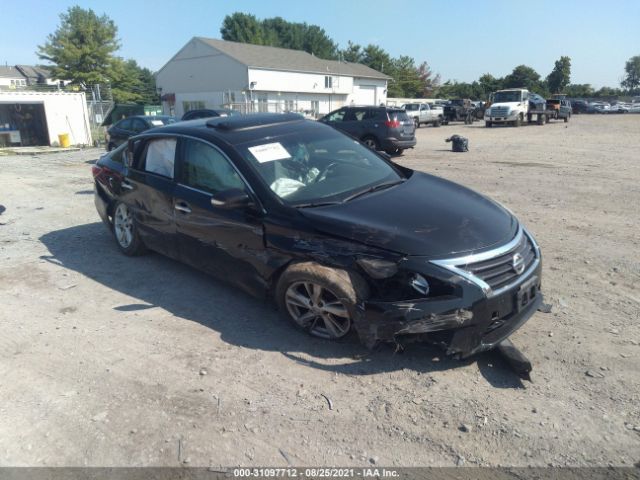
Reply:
x=488, y=124
x=566, y=119
x=371, y=142
x=437, y=123
x=125, y=231
x=416, y=122
x=320, y=300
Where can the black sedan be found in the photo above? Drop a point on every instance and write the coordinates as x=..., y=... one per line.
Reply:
x=340, y=236
x=120, y=131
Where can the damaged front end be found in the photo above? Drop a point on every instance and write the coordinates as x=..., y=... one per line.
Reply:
x=465, y=304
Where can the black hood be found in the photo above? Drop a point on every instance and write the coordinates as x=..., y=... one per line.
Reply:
x=425, y=215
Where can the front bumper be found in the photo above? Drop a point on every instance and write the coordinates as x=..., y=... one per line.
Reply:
x=463, y=325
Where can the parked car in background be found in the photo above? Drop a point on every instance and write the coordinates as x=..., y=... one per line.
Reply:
x=342, y=238
x=561, y=107
x=206, y=112
x=459, y=110
x=634, y=108
x=380, y=128
x=120, y=131
x=579, y=106
x=423, y=114
x=601, y=107
x=619, y=107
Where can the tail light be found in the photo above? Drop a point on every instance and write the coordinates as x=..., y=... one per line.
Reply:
x=395, y=123
x=96, y=170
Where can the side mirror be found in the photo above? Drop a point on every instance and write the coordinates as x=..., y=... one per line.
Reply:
x=231, y=199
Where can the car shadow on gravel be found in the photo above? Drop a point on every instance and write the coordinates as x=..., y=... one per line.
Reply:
x=242, y=320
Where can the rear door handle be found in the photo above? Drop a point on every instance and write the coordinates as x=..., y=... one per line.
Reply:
x=182, y=207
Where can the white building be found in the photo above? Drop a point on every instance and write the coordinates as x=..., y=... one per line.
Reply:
x=11, y=78
x=210, y=73
x=32, y=118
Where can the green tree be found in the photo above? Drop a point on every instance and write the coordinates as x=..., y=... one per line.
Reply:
x=489, y=84
x=523, y=77
x=631, y=79
x=353, y=53
x=407, y=78
x=576, y=90
x=317, y=41
x=608, y=92
x=81, y=49
x=132, y=84
x=560, y=76
x=429, y=82
x=242, y=27
x=278, y=32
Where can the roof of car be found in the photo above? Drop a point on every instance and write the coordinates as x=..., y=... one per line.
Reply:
x=236, y=128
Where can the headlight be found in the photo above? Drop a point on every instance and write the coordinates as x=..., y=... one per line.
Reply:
x=420, y=284
x=378, y=268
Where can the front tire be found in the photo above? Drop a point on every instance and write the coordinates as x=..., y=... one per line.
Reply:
x=125, y=231
x=518, y=121
x=488, y=124
x=320, y=300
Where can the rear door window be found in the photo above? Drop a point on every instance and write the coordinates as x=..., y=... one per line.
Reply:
x=138, y=126
x=337, y=116
x=360, y=114
x=160, y=157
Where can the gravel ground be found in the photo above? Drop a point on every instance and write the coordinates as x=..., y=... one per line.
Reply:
x=114, y=361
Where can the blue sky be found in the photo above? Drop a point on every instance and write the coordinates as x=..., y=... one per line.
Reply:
x=598, y=36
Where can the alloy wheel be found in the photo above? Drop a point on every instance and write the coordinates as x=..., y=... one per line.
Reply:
x=123, y=226
x=318, y=310
x=370, y=142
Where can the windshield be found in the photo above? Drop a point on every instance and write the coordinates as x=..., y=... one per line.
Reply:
x=315, y=166
x=412, y=106
x=501, y=97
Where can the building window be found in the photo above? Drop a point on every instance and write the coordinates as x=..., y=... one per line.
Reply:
x=315, y=106
x=289, y=105
x=328, y=82
x=192, y=105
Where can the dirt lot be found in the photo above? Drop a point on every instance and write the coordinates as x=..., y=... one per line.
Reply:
x=112, y=361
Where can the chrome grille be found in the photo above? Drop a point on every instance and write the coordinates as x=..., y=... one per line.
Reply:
x=499, y=111
x=499, y=271
x=495, y=270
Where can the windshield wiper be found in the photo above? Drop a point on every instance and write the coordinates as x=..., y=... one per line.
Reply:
x=375, y=188
x=315, y=204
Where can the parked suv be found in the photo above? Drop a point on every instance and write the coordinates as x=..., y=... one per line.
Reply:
x=380, y=128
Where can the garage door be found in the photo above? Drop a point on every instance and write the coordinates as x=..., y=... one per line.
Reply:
x=365, y=95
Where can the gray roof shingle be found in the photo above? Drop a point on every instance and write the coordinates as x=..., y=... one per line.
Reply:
x=275, y=58
x=10, y=72
x=34, y=72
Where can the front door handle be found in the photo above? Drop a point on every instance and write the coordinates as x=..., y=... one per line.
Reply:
x=182, y=207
